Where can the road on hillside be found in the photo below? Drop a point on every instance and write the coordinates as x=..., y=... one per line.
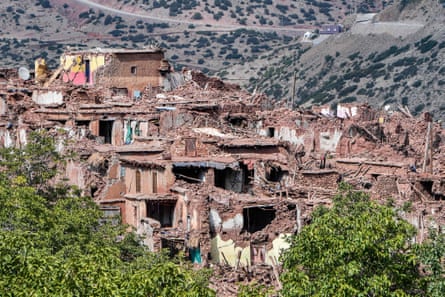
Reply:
x=172, y=20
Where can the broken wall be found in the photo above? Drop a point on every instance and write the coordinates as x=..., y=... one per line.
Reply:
x=81, y=68
x=148, y=180
x=134, y=71
x=47, y=97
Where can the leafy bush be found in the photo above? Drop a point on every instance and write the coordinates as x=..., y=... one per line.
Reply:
x=282, y=8
x=218, y=16
x=427, y=46
x=84, y=15
x=341, y=253
x=419, y=108
x=407, y=61
x=347, y=90
x=108, y=20
x=385, y=54
x=197, y=16
x=404, y=100
x=44, y=3
x=353, y=56
x=54, y=242
x=417, y=83
x=117, y=33
x=349, y=99
x=406, y=73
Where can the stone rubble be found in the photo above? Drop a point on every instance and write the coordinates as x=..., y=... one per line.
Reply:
x=211, y=170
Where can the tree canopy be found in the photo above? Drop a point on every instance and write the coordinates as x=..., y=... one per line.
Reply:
x=356, y=248
x=54, y=243
x=432, y=255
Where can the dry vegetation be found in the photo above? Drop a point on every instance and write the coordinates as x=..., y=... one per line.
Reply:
x=254, y=43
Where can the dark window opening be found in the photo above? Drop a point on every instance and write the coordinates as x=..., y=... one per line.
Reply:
x=155, y=122
x=154, y=181
x=228, y=179
x=105, y=130
x=100, y=167
x=161, y=211
x=87, y=71
x=220, y=178
x=257, y=218
x=173, y=245
x=190, y=174
x=274, y=174
x=248, y=177
x=93, y=190
x=133, y=70
x=271, y=132
x=119, y=92
x=138, y=181
x=375, y=176
x=427, y=186
x=237, y=120
x=83, y=124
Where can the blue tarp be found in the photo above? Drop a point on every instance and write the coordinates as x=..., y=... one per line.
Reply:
x=195, y=255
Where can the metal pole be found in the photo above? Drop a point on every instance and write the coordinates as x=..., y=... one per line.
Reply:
x=293, y=90
x=427, y=143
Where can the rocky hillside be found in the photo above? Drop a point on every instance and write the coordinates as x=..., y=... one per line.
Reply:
x=392, y=58
x=208, y=35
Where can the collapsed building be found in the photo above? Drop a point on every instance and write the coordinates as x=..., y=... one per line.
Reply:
x=198, y=165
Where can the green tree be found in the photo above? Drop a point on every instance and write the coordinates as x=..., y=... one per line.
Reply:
x=197, y=16
x=432, y=255
x=356, y=248
x=62, y=247
x=36, y=162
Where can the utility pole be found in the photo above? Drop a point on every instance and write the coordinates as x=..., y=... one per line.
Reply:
x=428, y=155
x=293, y=83
x=293, y=90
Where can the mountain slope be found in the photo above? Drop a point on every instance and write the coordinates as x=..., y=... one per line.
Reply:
x=255, y=43
x=396, y=58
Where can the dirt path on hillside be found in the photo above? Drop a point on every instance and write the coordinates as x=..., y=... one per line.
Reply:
x=186, y=22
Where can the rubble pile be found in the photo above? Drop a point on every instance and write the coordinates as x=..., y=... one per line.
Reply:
x=206, y=168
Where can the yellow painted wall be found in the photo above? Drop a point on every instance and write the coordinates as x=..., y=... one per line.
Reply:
x=219, y=246
x=40, y=69
x=279, y=244
x=74, y=62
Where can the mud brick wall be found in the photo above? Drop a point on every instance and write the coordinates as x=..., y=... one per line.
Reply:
x=386, y=186
x=320, y=179
x=119, y=72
